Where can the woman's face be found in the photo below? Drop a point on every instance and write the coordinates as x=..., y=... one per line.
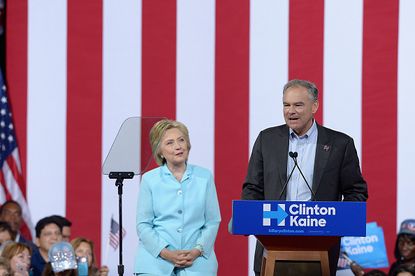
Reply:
x=84, y=250
x=20, y=263
x=406, y=247
x=173, y=147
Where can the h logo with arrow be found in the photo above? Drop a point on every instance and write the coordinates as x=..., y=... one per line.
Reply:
x=280, y=214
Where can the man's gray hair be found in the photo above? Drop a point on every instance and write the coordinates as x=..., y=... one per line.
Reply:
x=311, y=87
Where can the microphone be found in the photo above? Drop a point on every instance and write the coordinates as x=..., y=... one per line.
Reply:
x=294, y=157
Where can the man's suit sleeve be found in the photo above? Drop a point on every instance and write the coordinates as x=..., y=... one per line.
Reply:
x=253, y=187
x=354, y=187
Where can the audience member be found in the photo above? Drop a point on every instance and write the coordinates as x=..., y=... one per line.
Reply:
x=66, y=227
x=5, y=267
x=48, y=232
x=48, y=271
x=375, y=272
x=18, y=255
x=6, y=232
x=85, y=248
x=11, y=212
x=404, y=270
x=405, y=246
x=62, y=260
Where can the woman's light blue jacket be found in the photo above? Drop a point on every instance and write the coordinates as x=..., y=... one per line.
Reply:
x=179, y=216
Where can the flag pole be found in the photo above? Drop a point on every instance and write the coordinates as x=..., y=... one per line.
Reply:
x=107, y=247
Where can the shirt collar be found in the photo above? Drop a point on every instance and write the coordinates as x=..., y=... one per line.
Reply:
x=309, y=133
x=189, y=169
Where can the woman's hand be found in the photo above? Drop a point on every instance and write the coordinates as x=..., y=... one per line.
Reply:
x=176, y=257
x=180, y=258
x=191, y=256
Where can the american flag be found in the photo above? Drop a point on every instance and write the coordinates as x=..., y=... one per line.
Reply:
x=77, y=69
x=12, y=184
x=115, y=234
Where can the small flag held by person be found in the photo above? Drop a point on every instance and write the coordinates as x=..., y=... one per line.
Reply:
x=115, y=234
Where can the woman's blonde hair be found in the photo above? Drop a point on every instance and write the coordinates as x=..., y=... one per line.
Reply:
x=14, y=248
x=157, y=132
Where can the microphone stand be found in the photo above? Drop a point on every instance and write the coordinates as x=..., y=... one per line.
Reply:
x=288, y=179
x=313, y=195
x=119, y=178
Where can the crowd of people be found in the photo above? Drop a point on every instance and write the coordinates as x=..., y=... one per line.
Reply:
x=52, y=252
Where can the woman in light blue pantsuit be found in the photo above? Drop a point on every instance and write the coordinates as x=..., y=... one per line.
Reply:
x=177, y=211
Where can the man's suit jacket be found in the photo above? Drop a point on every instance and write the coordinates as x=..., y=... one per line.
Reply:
x=336, y=177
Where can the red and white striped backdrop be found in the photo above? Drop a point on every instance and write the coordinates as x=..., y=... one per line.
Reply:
x=76, y=69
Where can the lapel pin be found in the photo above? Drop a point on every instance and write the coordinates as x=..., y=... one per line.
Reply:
x=326, y=147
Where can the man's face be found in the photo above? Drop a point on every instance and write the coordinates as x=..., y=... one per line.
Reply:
x=299, y=109
x=13, y=215
x=66, y=233
x=49, y=235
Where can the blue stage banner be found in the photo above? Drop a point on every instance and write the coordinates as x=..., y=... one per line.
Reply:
x=299, y=218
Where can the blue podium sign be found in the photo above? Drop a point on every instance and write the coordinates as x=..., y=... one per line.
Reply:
x=299, y=218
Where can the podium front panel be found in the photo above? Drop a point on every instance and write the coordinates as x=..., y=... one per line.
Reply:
x=299, y=218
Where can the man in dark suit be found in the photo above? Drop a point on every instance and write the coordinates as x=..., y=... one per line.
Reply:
x=327, y=158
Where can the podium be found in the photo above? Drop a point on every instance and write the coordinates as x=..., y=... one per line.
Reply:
x=298, y=231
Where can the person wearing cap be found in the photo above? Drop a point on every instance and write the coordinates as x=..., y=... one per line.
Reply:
x=48, y=232
x=62, y=260
x=405, y=246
